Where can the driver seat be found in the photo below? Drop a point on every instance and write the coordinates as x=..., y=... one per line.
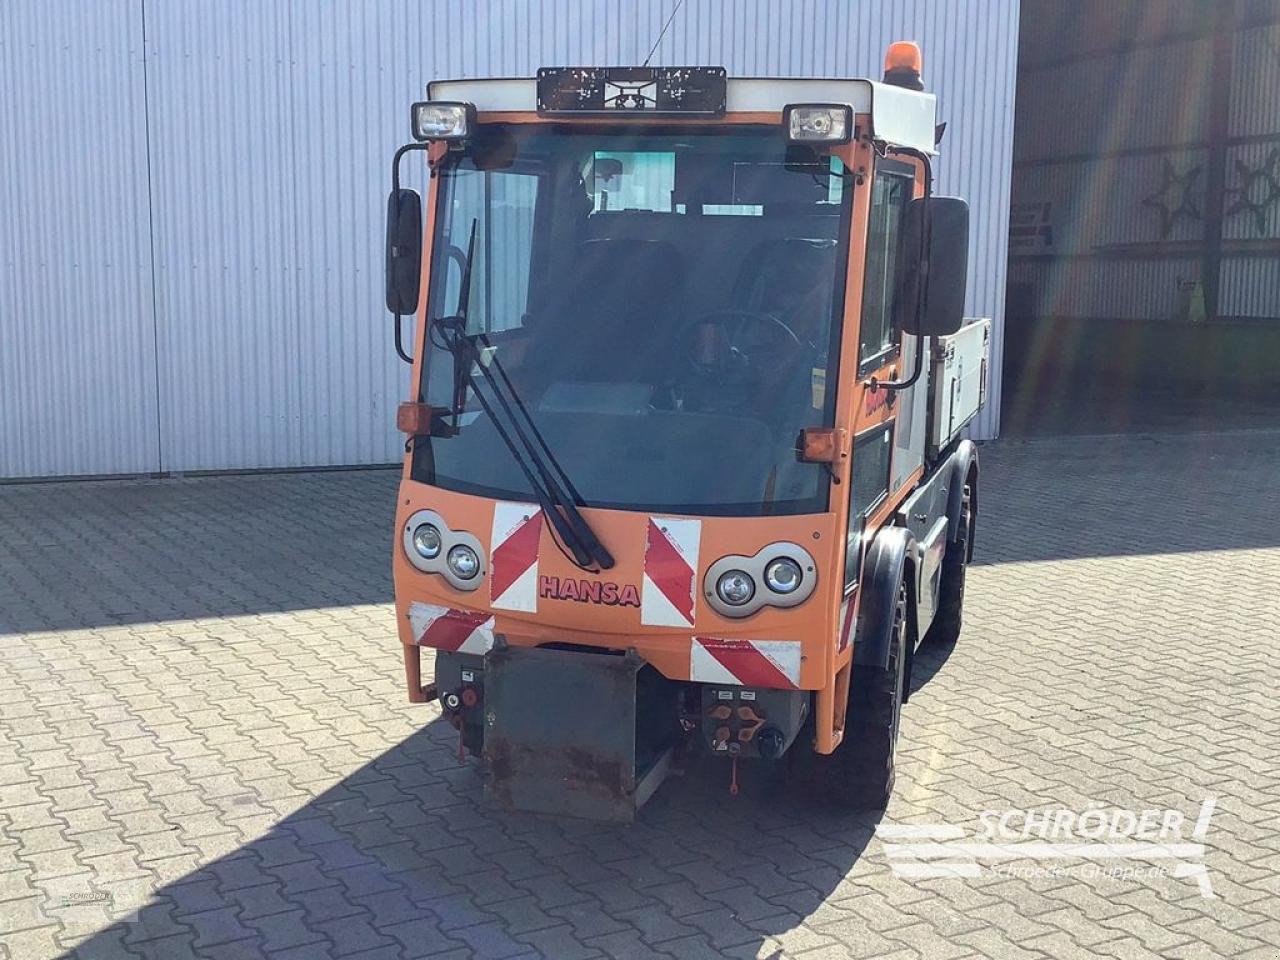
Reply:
x=620, y=298
x=791, y=279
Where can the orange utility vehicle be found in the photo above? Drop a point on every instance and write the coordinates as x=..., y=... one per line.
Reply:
x=683, y=468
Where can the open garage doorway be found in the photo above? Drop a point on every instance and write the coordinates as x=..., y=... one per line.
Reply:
x=1144, y=269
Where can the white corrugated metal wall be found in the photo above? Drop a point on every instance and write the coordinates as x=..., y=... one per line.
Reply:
x=193, y=196
x=77, y=331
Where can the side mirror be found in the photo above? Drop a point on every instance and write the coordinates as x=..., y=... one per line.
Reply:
x=404, y=251
x=942, y=277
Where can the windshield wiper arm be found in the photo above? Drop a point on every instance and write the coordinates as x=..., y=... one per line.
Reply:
x=495, y=364
x=573, y=500
x=541, y=491
x=535, y=460
x=561, y=508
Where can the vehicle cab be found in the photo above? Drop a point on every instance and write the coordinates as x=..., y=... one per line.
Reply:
x=659, y=402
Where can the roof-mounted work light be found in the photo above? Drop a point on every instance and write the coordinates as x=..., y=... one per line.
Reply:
x=437, y=120
x=818, y=122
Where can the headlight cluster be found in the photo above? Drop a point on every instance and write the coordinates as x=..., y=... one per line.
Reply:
x=780, y=575
x=433, y=547
x=461, y=560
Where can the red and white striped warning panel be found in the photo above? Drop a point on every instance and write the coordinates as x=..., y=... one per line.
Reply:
x=513, y=556
x=746, y=663
x=455, y=631
x=669, y=590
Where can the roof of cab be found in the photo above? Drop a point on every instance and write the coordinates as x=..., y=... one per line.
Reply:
x=899, y=116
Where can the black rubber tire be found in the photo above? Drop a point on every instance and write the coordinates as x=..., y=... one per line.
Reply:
x=859, y=775
x=949, y=618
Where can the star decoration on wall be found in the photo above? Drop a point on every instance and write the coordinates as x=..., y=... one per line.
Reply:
x=1176, y=198
x=1258, y=190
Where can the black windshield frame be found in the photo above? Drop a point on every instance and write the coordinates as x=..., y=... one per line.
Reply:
x=423, y=463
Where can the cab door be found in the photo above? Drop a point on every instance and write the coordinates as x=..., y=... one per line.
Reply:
x=890, y=422
x=911, y=403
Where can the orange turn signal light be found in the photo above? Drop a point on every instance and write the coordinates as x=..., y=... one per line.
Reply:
x=821, y=444
x=414, y=419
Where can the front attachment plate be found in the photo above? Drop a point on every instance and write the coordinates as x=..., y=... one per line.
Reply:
x=560, y=734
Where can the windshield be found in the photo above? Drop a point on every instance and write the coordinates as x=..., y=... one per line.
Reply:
x=663, y=303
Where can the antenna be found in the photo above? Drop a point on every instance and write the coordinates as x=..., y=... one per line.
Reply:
x=663, y=32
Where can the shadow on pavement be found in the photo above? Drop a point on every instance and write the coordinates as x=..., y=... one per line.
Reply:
x=401, y=858
x=87, y=554
x=404, y=855
x=90, y=554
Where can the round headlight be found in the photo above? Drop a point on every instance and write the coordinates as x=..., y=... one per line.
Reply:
x=464, y=563
x=736, y=588
x=783, y=575
x=426, y=540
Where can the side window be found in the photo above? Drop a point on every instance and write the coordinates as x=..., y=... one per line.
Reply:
x=890, y=193
x=512, y=199
x=501, y=204
x=872, y=454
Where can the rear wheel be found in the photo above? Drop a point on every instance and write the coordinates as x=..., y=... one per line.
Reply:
x=860, y=772
x=947, y=621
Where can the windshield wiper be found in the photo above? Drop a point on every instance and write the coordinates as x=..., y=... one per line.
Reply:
x=539, y=465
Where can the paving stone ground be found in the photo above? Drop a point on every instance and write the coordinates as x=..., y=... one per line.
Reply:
x=205, y=749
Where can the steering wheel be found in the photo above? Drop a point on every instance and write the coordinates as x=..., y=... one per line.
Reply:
x=734, y=323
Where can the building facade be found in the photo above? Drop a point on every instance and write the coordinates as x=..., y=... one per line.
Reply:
x=192, y=197
x=1145, y=233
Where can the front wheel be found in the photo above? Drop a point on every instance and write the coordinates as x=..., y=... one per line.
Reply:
x=860, y=773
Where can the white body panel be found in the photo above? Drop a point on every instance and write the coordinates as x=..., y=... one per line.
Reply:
x=958, y=380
